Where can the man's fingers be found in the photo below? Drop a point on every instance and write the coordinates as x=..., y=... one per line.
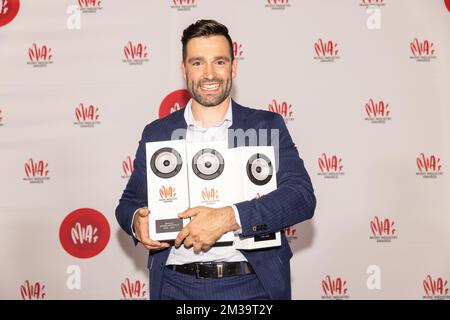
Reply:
x=165, y=245
x=153, y=248
x=141, y=219
x=149, y=242
x=188, y=213
x=143, y=212
x=197, y=247
x=184, y=214
x=188, y=242
x=161, y=246
x=143, y=232
x=181, y=236
x=143, y=235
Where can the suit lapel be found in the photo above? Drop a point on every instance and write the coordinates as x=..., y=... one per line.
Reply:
x=178, y=123
x=240, y=115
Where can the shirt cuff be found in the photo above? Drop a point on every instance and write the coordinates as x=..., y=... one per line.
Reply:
x=238, y=219
x=132, y=223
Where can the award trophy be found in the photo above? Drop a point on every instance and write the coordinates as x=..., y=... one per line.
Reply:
x=256, y=166
x=167, y=188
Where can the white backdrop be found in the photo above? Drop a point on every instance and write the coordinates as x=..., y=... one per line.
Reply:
x=73, y=103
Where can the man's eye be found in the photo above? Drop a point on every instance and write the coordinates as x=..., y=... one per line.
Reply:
x=196, y=63
x=221, y=62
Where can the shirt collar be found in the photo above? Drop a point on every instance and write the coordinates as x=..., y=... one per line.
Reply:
x=189, y=117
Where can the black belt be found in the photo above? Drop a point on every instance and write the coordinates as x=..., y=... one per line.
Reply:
x=214, y=270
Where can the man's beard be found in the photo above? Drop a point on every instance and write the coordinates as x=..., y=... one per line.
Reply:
x=209, y=100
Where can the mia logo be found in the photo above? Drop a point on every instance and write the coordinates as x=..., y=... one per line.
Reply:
x=372, y=3
x=133, y=290
x=84, y=233
x=36, y=171
x=278, y=4
x=422, y=51
x=39, y=56
x=334, y=288
x=8, y=11
x=282, y=108
x=237, y=51
x=135, y=54
x=290, y=233
x=183, y=5
x=29, y=291
x=383, y=230
x=210, y=196
x=429, y=166
x=326, y=51
x=331, y=167
x=436, y=289
x=167, y=194
x=377, y=112
x=127, y=168
x=1, y=118
x=174, y=101
x=87, y=117
x=90, y=6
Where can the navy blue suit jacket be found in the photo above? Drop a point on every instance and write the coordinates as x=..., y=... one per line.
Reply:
x=291, y=203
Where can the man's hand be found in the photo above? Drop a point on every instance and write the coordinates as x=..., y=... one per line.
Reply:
x=140, y=225
x=206, y=227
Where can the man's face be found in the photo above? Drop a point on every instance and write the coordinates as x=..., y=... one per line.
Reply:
x=208, y=69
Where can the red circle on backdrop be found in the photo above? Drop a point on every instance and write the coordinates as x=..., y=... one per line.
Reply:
x=84, y=233
x=174, y=101
x=8, y=11
x=447, y=4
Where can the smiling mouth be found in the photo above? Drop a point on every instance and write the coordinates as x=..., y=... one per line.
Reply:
x=210, y=87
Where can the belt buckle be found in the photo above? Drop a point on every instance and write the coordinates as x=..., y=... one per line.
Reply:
x=219, y=267
x=220, y=270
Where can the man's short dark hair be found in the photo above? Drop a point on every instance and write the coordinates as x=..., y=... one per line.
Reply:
x=205, y=28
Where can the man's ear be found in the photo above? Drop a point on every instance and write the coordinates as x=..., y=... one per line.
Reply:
x=234, y=68
x=183, y=70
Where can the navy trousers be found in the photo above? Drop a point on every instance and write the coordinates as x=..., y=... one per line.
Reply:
x=180, y=286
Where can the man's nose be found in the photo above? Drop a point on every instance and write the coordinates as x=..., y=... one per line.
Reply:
x=209, y=71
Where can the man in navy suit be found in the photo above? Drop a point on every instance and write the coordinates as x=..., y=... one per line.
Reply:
x=194, y=268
